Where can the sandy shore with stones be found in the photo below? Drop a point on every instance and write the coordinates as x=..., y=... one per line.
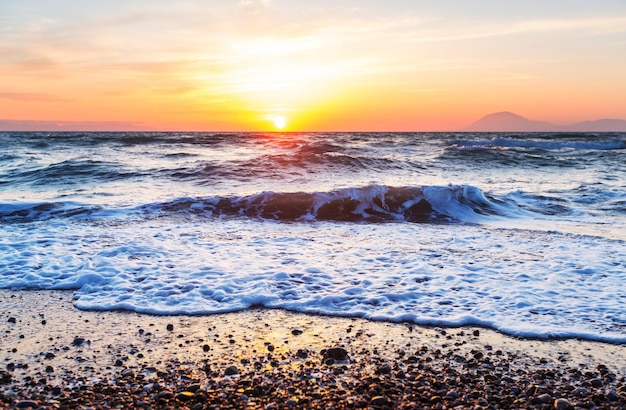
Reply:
x=55, y=356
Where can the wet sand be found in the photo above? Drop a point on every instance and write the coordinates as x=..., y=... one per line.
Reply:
x=56, y=356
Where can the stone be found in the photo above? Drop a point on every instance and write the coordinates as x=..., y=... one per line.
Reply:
x=231, y=370
x=5, y=377
x=581, y=391
x=336, y=353
x=544, y=398
x=184, y=396
x=26, y=404
x=128, y=373
x=78, y=341
x=194, y=388
x=562, y=404
x=165, y=395
x=379, y=400
x=612, y=396
x=596, y=382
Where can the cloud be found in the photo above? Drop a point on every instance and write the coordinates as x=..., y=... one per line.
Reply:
x=30, y=97
x=599, y=25
x=60, y=126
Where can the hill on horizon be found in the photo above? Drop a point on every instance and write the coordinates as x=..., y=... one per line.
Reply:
x=506, y=121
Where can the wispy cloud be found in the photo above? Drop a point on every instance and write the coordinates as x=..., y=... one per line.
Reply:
x=44, y=126
x=481, y=30
x=30, y=97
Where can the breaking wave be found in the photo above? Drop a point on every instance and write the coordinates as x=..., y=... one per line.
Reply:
x=371, y=204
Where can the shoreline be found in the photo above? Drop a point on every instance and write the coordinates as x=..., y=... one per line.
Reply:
x=56, y=356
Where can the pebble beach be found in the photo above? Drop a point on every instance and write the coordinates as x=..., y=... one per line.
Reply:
x=55, y=356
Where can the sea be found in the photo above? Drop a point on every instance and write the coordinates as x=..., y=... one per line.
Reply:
x=524, y=233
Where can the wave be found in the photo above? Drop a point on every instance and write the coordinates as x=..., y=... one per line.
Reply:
x=371, y=204
x=24, y=212
x=71, y=172
x=504, y=143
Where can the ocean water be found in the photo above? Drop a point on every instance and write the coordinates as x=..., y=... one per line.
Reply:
x=523, y=233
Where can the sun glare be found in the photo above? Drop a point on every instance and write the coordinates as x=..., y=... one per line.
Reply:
x=280, y=122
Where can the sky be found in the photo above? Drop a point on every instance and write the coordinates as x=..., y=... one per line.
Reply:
x=263, y=65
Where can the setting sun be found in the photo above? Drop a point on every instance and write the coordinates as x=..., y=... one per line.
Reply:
x=280, y=122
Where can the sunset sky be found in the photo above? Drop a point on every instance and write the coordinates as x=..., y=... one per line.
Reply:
x=251, y=65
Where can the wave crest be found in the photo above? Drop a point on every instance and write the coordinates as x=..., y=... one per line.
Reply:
x=372, y=204
x=453, y=203
x=504, y=143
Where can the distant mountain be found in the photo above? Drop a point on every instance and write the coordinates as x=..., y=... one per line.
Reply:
x=607, y=125
x=507, y=121
x=510, y=122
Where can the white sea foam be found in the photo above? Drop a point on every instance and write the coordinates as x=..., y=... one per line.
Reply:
x=526, y=283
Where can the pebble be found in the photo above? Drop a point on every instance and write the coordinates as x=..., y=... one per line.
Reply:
x=544, y=398
x=379, y=400
x=25, y=404
x=5, y=377
x=596, y=382
x=562, y=404
x=336, y=353
x=78, y=341
x=581, y=391
x=612, y=396
x=165, y=395
x=185, y=396
x=231, y=370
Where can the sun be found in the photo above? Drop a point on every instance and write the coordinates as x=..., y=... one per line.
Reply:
x=274, y=121
x=280, y=122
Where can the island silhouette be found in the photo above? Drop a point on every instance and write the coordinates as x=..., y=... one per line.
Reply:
x=506, y=121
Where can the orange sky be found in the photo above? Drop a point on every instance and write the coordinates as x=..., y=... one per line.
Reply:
x=360, y=65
